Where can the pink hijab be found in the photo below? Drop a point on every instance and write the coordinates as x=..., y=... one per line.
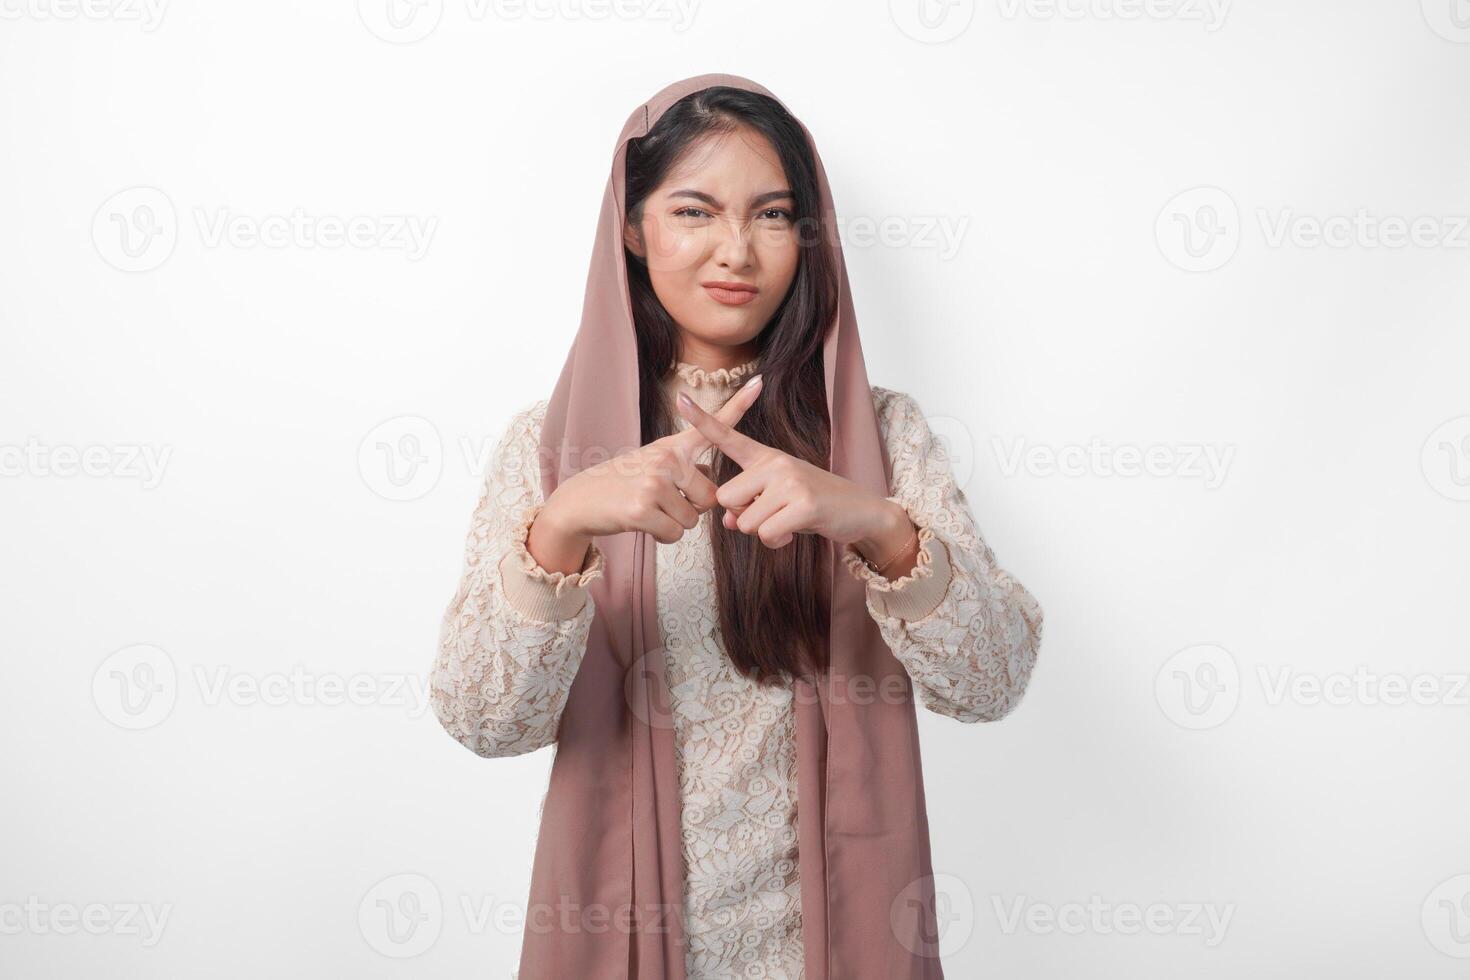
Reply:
x=606, y=898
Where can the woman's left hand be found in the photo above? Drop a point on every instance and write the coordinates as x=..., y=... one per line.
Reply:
x=778, y=496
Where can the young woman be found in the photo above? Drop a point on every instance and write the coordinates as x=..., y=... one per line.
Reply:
x=814, y=571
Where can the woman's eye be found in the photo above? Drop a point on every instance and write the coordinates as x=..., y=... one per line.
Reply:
x=780, y=213
x=689, y=212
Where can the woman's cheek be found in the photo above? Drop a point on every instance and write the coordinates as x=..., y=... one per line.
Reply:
x=673, y=250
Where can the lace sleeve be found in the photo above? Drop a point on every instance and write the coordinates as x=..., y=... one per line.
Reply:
x=966, y=631
x=513, y=637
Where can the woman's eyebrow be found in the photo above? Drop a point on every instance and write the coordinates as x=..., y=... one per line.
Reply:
x=757, y=202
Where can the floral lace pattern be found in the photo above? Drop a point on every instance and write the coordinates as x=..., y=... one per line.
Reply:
x=965, y=631
x=971, y=656
x=735, y=742
x=502, y=677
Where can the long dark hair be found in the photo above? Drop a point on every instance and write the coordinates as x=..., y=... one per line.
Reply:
x=773, y=604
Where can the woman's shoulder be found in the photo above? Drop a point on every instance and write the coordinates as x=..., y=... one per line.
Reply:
x=523, y=428
x=897, y=411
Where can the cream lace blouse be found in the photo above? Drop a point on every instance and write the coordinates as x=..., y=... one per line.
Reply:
x=966, y=632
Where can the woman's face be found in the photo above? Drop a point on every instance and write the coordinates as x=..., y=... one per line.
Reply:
x=724, y=215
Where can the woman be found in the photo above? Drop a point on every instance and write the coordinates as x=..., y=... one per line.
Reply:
x=699, y=687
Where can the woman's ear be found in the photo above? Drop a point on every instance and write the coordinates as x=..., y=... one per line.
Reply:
x=633, y=238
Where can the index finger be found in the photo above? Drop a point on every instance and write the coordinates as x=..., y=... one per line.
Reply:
x=736, y=445
x=693, y=441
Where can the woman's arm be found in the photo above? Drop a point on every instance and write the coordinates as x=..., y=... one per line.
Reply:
x=964, y=629
x=514, y=635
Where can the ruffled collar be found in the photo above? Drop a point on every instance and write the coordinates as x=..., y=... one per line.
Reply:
x=726, y=378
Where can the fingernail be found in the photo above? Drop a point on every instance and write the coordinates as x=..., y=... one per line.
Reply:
x=685, y=400
x=753, y=382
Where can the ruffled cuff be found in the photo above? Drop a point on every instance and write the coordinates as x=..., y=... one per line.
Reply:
x=537, y=593
x=916, y=594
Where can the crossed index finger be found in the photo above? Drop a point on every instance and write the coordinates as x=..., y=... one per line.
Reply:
x=696, y=439
x=718, y=430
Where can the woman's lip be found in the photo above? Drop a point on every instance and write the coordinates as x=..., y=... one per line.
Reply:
x=731, y=297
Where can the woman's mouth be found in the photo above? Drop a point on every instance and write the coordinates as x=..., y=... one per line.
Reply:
x=730, y=293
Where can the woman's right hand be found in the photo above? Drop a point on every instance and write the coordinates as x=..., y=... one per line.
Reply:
x=657, y=488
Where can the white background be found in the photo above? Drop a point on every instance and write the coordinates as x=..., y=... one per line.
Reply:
x=1119, y=187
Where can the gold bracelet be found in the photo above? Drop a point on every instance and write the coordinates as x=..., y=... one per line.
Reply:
x=879, y=568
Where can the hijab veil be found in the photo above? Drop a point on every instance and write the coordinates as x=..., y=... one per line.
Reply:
x=606, y=898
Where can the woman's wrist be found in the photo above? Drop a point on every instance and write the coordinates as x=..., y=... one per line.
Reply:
x=556, y=547
x=892, y=541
